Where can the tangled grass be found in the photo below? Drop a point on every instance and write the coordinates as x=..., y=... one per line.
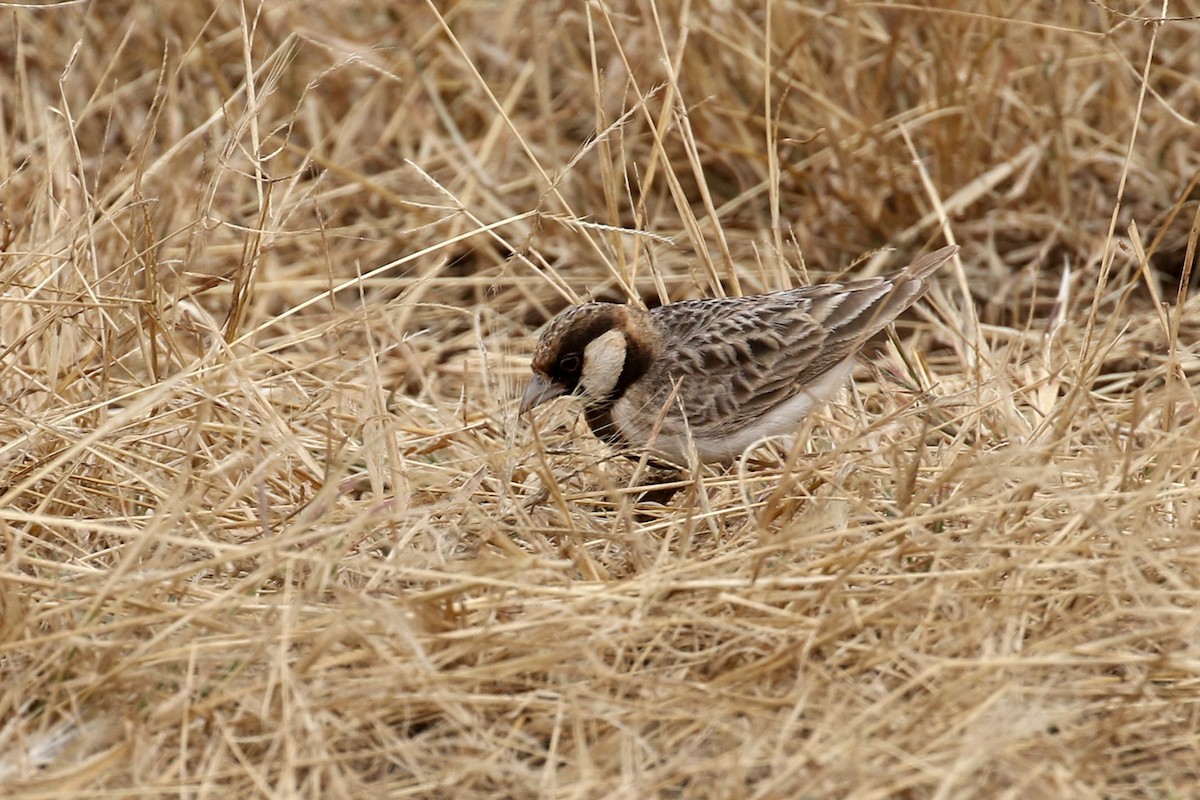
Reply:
x=269, y=277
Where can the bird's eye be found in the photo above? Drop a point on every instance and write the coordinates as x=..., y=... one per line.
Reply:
x=569, y=363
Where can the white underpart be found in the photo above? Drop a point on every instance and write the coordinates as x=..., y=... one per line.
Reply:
x=603, y=362
x=779, y=421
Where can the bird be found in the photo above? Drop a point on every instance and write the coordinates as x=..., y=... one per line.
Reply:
x=715, y=374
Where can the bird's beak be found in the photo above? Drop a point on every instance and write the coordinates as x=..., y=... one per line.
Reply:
x=539, y=390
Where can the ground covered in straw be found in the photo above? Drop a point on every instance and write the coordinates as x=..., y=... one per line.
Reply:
x=269, y=280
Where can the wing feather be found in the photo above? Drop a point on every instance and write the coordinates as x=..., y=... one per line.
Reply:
x=735, y=359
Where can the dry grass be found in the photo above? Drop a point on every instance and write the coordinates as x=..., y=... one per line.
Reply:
x=269, y=279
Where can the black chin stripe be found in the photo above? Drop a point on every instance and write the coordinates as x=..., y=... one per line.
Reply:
x=600, y=420
x=637, y=364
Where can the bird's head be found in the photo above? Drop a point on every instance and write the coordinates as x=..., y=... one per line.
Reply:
x=594, y=351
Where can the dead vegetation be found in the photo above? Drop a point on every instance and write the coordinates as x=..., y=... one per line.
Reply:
x=269, y=279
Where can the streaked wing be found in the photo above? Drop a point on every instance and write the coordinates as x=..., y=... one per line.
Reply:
x=735, y=359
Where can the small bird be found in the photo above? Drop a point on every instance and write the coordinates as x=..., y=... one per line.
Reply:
x=717, y=373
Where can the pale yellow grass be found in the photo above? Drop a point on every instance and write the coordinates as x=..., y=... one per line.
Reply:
x=269, y=279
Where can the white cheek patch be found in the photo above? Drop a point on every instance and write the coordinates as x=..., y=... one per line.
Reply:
x=603, y=362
